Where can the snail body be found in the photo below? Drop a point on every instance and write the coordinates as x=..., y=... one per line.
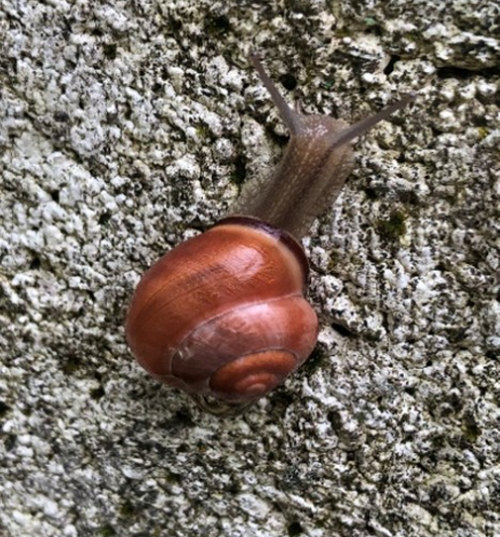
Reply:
x=223, y=315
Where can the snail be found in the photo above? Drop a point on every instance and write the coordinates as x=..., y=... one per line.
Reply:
x=223, y=316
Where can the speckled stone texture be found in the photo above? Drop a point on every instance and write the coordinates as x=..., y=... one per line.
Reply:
x=127, y=127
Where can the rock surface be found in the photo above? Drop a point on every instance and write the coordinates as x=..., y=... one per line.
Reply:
x=127, y=127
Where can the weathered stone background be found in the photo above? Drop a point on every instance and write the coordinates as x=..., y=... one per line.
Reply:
x=127, y=127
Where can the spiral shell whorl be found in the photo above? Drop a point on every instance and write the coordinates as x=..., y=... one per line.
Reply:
x=234, y=344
